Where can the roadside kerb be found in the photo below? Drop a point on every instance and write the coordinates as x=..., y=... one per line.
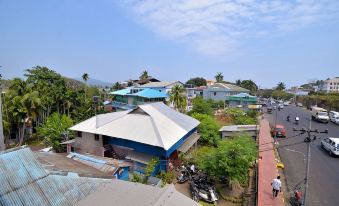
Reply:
x=267, y=168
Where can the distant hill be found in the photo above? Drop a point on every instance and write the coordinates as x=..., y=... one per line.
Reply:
x=95, y=82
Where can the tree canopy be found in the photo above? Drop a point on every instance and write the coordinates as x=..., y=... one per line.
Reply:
x=201, y=106
x=219, y=77
x=197, y=81
x=144, y=75
x=208, y=129
x=281, y=86
x=248, y=84
x=231, y=158
x=178, y=97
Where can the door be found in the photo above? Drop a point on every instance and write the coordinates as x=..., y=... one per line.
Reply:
x=105, y=140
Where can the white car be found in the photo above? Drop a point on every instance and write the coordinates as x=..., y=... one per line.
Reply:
x=286, y=103
x=331, y=144
x=334, y=117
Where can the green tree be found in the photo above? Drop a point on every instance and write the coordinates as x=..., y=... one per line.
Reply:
x=240, y=117
x=250, y=85
x=53, y=130
x=117, y=86
x=144, y=75
x=197, y=81
x=232, y=158
x=219, y=77
x=178, y=98
x=208, y=129
x=201, y=106
x=238, y=82
x=281, y=86
x=150, y=167
x=85, y=77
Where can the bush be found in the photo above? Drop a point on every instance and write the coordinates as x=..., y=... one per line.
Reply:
x=166, y=177
x=208, y=129
x=201, y=106
x=240, y=117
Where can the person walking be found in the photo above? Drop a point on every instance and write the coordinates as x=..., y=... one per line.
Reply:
x=276, y=185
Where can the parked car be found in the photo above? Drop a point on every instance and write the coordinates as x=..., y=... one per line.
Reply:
x=286, y=103
x=278, y=131
x=331, y=144
x=299, y=104
x=334, y=116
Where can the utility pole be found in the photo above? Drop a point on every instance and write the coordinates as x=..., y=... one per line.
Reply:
x=308, y=141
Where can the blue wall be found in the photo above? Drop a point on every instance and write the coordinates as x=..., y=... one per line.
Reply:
x=149, y=149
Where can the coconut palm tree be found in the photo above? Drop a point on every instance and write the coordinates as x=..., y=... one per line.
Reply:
x=144, y=75
x=85, y=77
x=178, y=98
x=219, y=77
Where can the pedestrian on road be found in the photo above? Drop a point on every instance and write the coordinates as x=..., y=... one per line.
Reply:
x=276, y=184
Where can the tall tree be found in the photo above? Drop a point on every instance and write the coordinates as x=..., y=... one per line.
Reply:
x=85, y=77
x=178, y=98
x=250, y=85
x=117, y=86
x=281, y=86
x=219, y=77
x=144, y=75
x=197, y=81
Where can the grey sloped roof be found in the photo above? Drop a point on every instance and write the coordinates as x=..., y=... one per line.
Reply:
x=159, y=84
x=226, y=87
x=119, y=192
x=154, y=124
x=25, y=182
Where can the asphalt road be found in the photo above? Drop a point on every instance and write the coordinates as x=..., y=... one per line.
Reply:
x=324, y=170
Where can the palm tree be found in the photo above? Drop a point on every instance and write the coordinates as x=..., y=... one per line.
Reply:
x=178, y=98
x=219, y=77
x=85, y=77
x=144, y=75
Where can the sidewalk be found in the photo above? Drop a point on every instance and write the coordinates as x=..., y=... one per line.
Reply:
x=267, y=168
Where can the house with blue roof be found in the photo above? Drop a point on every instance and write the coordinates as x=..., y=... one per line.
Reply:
x=129, y=98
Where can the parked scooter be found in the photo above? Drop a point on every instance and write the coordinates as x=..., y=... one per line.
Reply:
x=184, y=175
x=296, y=120
x=203, y=190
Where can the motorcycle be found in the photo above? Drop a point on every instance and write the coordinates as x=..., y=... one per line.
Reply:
x=203, y=190
x=298, y=197
x=184, y=175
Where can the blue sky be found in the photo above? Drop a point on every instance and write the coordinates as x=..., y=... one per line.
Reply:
x=293, y=41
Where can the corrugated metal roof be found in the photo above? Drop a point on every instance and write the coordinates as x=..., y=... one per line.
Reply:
x=121, y=92
x=119, y=192
x=153, y=124
x=159, y=84
x=25, y=182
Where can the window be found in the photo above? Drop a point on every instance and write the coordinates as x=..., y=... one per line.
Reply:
x=215, y=93
x=96, y=137
x=79, y=134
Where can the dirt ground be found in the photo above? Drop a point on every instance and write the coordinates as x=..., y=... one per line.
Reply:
x=58, y=162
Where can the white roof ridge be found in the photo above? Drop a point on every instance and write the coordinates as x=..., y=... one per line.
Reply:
x=157, y=132
x=119, y=117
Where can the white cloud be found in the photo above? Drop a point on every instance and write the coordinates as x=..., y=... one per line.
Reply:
x=215, y=27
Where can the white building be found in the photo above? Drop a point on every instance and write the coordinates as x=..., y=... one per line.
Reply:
x=331, y=85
